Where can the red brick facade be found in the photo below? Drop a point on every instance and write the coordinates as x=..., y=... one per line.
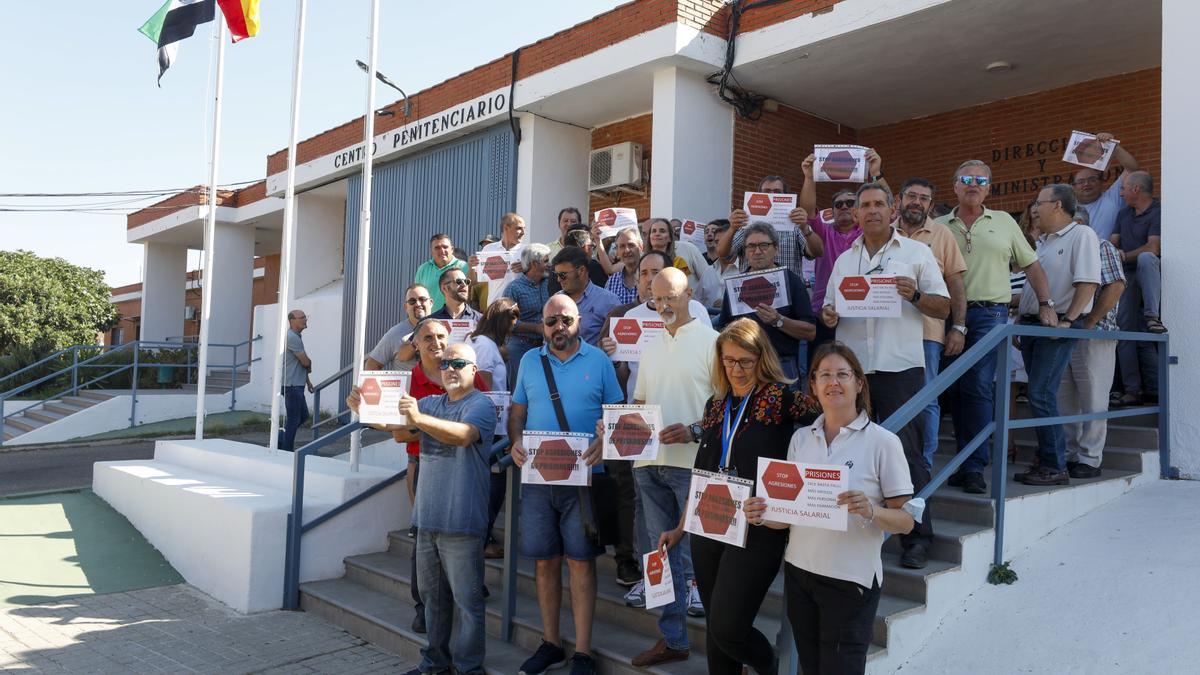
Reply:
x=639, y=130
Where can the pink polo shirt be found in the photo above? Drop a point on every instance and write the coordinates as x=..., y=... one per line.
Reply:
x=836, y=243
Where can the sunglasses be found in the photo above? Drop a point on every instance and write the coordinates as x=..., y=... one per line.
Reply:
x=844, y=204
x=457, y=364
x=563, y=275
x=553, y=320
x=978, y=180
x=459, y=282
x=418, y=301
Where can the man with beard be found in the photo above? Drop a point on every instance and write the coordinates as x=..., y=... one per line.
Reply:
x=456, y=287
x=552, y=515
x=570, y=267
x=916, y=199
x=890, y=348
x=1102, y=205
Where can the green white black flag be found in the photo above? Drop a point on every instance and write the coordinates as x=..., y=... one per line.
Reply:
x=174, y=21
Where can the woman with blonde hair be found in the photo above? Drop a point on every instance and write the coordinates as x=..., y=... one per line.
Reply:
x=752, y=413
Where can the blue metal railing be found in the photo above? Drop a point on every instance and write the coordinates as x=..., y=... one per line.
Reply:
x=111, y=369
x=317, y=422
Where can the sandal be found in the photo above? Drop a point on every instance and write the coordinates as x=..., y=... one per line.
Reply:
x=1155, y=325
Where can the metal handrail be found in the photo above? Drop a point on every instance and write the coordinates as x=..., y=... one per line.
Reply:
x=40, y=362
x=316, y=418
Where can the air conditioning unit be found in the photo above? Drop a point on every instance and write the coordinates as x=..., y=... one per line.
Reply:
x=189, y=312
x=615, y=166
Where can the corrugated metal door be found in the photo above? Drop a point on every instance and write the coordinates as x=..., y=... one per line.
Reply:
x=461, y=188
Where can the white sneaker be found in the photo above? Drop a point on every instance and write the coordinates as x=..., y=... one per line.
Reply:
x=636, y=597
x=694, y=606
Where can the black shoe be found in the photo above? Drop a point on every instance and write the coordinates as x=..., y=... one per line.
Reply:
x=1081, y=470
x=914, y=557
x=418, y=624
x=486, y=593
x=628, y=573
x=972, y=483
x=582, y=664
x=547, y=657
x=1042, y=476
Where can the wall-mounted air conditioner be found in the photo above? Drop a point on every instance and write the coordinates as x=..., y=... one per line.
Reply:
x=615, y=166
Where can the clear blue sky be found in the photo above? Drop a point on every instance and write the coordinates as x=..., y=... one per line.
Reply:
x=82, y=113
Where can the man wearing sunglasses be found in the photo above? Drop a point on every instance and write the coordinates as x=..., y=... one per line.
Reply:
x=989, y=240
x=1103, y=205
x=456, y=287
x=594, y=303
x=552, y=516
x=395, y=350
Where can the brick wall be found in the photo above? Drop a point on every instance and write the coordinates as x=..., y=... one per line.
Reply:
x=639, y=130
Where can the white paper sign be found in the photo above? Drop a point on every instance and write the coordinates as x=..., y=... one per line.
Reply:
x=869, y=295
x=840, y=163
x=501, y=400
x=632, y=335
x=803, y=494
x=612, y=221
x=459, y=329
x=495, y=269
x=770, y=208
x=379, y=396
x=747, y=291
x=1085, y=150
x=555, y=458
x=693, y=231
x=714, y=507
x=631, y=431
x=660, y=585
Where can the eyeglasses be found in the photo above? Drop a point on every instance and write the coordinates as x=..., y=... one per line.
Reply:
x=827, y=376
x=743, y=364
x=924, y=199
x=562, y=275
x=978, y=180
x=459, y=282
x=967, y=237
x=553, y=320
x=759, y=246
x=1086, y=181
x=844, y=204
x=1039, y=202
x=457, y=364
x=419, y=301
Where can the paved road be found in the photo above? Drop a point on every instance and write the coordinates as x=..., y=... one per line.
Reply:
x=43, y=469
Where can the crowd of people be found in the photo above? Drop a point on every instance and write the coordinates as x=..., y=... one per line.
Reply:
x=806, y=383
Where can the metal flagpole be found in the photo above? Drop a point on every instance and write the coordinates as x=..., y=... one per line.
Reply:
x=289, y=229
x=210, y=229
x=364, y=221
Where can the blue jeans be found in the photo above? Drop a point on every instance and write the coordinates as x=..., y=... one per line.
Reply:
x=663, y=490
x=1046, y=360
x=933, y=412
x=450, y=572
x=296, y=409
x=1138, y=361
x=973, y=396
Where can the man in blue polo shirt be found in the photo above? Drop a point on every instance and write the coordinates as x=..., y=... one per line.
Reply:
x=551, y=523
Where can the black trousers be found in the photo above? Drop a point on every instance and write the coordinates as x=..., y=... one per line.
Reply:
x=733, y=582
x=832, y=621
x=622, y=473
x=889, y=391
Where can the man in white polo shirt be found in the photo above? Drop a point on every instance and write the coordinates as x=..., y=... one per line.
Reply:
x=1070, y=255
x=891, y=349
x=675, y=374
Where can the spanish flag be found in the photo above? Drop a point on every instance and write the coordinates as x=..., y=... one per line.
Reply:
x=241, y=16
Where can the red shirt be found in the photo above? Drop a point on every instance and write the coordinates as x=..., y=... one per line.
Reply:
x=419, y=387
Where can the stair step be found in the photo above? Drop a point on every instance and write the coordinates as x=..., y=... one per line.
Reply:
x=947, y=538
x=81, y=401
x=62, y=407
x=94, y=395
x=46, y=416
x=24, y=423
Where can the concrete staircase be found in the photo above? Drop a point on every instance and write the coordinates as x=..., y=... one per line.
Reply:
x=372, y=599
x=51, y=411
x=220, y=381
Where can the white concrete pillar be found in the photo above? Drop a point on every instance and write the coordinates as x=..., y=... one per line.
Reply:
x=552, y=174
x=1180, y=237
x=232, y=289
x=691, y=156
x=320, y=239
x=164, y=274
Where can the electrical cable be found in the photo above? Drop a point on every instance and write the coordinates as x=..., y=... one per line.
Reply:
x=747, y=104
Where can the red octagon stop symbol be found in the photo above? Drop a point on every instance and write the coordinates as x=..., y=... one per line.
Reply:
x=654, y=568
x=757, y=291
x=630, y=435
x=716, y=508
x=1089, y=151
x=495, y=267
x=606, y=218
x=554, y=460
x=689, y=226
x=854, y=288
x=782, y=481
x=371, y=391
x=759, y=204
x=627, y=331
x=839, y=165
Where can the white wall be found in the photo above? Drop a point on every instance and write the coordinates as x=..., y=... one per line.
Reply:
x=164, y=272
x=552, y=174
x=691, y=168
x=320, y=230
x=113, y=414
x=232, y=290
x=1180, y=144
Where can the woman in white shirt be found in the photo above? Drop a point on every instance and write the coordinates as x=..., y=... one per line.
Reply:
x=491, y=332
x=831, y=578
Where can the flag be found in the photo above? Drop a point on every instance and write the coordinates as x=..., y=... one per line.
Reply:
x=174, y=21
x=241, y=16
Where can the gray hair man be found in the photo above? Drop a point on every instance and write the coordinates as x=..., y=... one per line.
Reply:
x=531, y=292
x=297, y=368
x=1138, y=237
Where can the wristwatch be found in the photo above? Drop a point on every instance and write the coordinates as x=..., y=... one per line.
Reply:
x=778, y=322
x=696, y=431
x=916, y=296
x=1046, y=303
x=960, y=328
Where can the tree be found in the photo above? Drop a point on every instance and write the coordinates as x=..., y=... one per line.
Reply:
x=47, y=304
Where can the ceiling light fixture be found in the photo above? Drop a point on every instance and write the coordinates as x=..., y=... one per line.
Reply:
x=998, y=67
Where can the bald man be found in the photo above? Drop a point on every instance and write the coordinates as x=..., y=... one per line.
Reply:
x=552, y=515
x=297, y=368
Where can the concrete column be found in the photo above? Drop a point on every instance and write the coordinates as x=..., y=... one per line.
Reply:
x=232, y=290
x=552, y=174
x=691, y=159
x=1180, y=238
x=164, y=273
x=320, y=238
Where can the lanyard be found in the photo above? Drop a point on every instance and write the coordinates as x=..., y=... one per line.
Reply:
x=727, y=431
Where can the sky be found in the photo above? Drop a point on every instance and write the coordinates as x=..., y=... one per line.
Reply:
x=82, y=112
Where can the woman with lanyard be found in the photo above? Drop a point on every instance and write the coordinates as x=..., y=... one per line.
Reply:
x=752, y=414
x=831, y=579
